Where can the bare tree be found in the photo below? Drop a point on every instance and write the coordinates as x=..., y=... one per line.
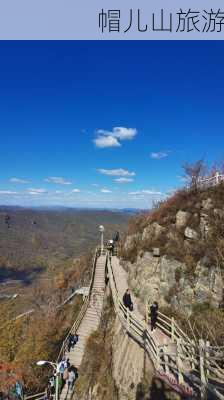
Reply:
x=193, y=172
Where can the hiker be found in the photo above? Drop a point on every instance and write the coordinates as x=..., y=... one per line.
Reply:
x=110, y=247
x=72, y=340
x=48, y=392
x=76, y=338
x=127, y=300
x=75, y=370
x=65, y=375
x=52, y=385
x=154, y=314
x=71, y=379
x=116, y=237
x=60, y=383
x=61, y=367
x=68, y=363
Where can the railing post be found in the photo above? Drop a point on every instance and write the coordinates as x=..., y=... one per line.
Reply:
x=157, y=358
x=179, y=363
x=146, y=314
x=172, y=329
x=207, y=359
x=128, y=320
x=217, y=178
x=166, y=360
x=202, y=368
x=193, y=354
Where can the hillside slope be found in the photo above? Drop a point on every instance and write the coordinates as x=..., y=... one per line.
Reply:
x=35, y=237
x=175, y=255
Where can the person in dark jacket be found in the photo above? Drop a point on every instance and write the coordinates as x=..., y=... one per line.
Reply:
x=154, y=314
x=127, y=300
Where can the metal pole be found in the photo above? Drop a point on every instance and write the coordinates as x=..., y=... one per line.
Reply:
x=57, y=387
x=102, y=242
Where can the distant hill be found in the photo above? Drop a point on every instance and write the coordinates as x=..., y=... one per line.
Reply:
x=30, y=238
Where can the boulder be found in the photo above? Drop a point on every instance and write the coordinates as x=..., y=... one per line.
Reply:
x=204, y=225
x=207, y=204
x=156, y=252
x=152, y=231
x=182, y=218
x=219, y=212
x=131, y=241
x=186, y=297
x=202, y=294
x=209, y=284
x=190, y=233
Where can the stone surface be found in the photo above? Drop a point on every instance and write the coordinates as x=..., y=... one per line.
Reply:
x=182, y=218
x=207, y=204
x=165, y=280
x=204, y=225
x=131, y=241
x=190, y=233
x=152, y=231
x=219, y=212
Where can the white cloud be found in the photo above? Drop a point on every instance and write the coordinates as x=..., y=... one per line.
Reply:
x=106, y=141
x=152, y=192
x=112, y=138
x=7, y=192
x=58, y=180
x=34, y=191
x=105, y=191
x=75, y=191
x=159, y=155
x=123, y=180
x=120, y=133
x=18, y=180
x=116, y=172
x=95, y=184
x=149, y=192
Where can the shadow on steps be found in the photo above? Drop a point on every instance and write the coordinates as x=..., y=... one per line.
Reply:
x=157, y=390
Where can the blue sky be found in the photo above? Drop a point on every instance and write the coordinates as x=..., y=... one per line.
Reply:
x=106, y=124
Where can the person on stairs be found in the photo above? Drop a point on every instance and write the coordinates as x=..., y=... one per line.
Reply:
x=154, y=314
x=127, y=300
x=72, y=340
x=71, y=378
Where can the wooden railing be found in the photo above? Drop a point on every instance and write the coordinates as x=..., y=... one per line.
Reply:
x=38, y=396
x=214, y=180
x=84, y=307
x=189, y=367
x=205, y=359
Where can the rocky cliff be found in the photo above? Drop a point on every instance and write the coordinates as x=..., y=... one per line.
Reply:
x=175, y=254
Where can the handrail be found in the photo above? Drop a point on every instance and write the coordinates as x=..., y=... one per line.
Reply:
x=35, y=396
x=209, y=181
x=178, y=365
x=84, y=307
x=185, y=362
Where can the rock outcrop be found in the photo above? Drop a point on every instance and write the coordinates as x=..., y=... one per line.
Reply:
x=152, y=231
x=190, y=233
x=182, y=218
x=168, y=281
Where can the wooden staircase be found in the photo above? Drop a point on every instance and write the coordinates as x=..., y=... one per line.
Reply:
x=90, y=321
